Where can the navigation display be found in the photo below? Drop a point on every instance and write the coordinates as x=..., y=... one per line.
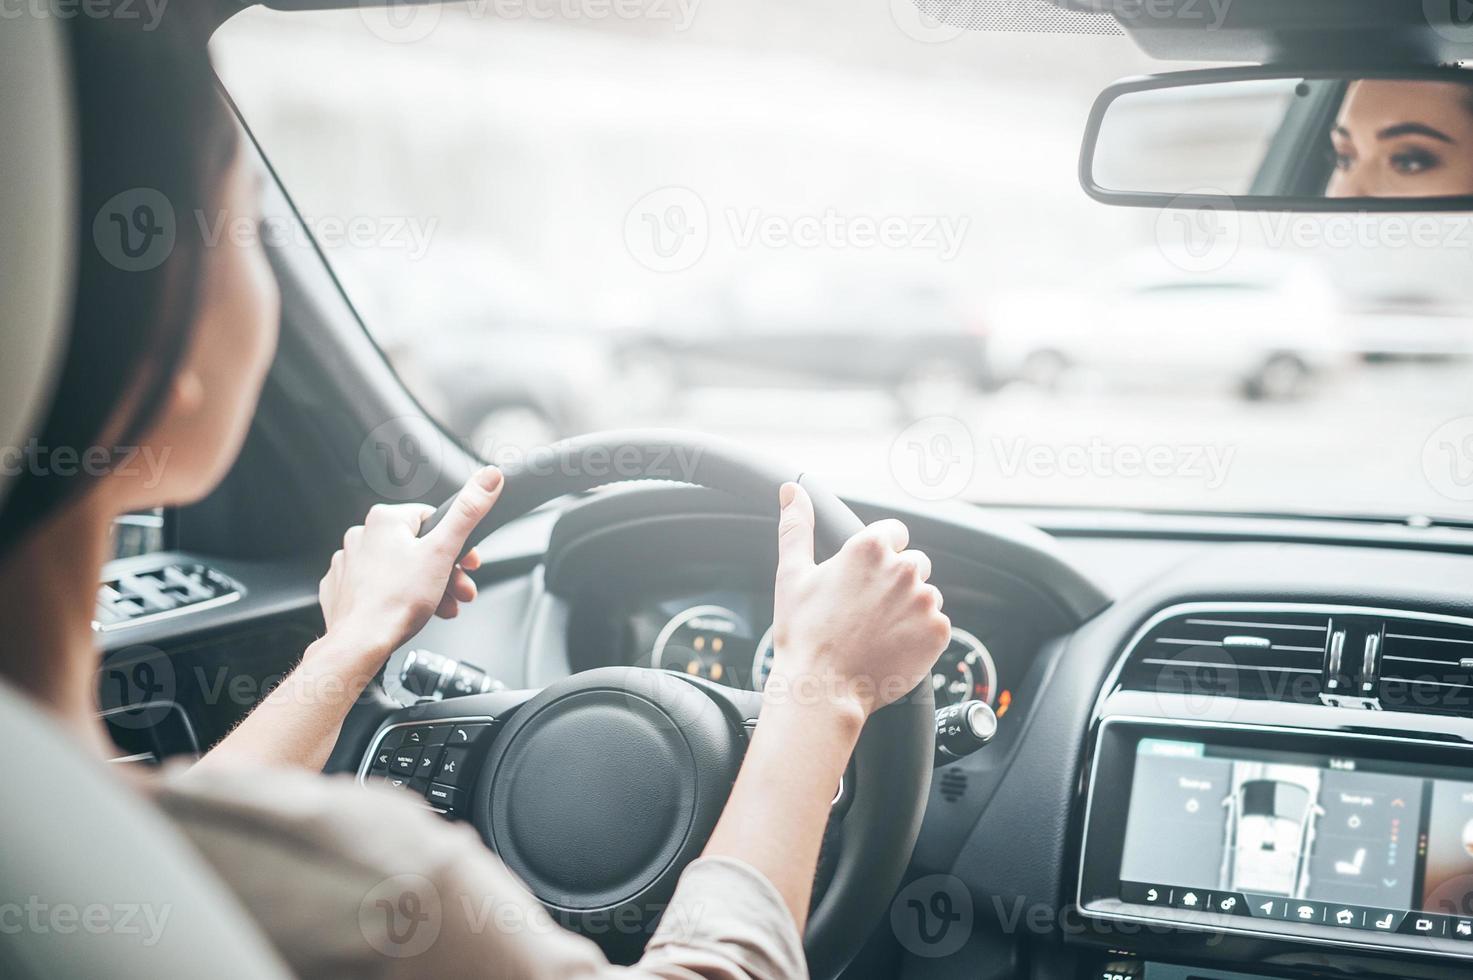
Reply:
x=1318, y=839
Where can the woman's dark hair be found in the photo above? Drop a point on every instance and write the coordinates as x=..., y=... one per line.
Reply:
x=153, y=140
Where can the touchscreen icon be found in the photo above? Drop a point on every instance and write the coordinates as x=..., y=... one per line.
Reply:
x=1352, y=867
x=1305, y=911
x=1464, y=927
x=1422, y=925
x=1152, y=895
x=1227, y=904
x=1344, y=917
x=1384, y=922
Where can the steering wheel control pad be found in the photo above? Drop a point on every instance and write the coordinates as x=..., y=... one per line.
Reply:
x=602, y=788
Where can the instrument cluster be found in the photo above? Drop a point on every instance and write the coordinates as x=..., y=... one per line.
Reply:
x=727, y=638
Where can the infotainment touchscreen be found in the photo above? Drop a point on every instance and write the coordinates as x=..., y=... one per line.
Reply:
x=1356, y=843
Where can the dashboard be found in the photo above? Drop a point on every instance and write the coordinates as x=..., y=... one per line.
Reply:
x=1189, y=760
x=1228, y=771
x=725, y=635
x=1224, y=751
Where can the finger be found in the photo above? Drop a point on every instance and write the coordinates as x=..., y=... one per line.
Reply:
x=891, y=532
x=352, y=537
x=920, y=560
x=473, y=503
x=794, y=527
x=471, y=561
x=934, y=595
x=448, y=608
x=461, y=588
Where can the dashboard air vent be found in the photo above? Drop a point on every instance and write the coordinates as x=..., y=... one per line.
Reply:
x=1427, y=665
x=144, y=595
x=1278, y=656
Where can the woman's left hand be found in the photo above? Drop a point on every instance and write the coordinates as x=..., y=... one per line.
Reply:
x=387, y=581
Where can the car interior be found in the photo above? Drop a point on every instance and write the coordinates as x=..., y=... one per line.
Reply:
x=1167, y=740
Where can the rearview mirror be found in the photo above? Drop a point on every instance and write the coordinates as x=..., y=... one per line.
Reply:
x=1264, y=139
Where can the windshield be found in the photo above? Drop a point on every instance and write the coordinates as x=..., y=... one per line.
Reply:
x=851, y=237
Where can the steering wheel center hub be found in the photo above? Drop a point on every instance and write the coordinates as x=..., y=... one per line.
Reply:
x=602, y=788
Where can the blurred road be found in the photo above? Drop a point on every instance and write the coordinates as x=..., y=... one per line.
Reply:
x=1376, y=440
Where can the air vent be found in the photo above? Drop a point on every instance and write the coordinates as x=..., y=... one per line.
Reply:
x=1261, y=654
x=165, y=591
x=1427, y=665
x=953, y=784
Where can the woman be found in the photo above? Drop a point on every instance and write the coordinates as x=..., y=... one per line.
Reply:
x=171, y=359
x=1398, y=138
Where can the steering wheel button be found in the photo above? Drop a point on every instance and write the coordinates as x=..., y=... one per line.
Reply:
x=404, y=761
x=445, y=797
x=414, y=736
x=464, y=734
x=452, y=765
x=381, y=760
x=427, y=760
x=437, y=734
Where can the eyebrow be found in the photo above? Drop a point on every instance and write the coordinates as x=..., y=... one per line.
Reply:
x=1403, y=129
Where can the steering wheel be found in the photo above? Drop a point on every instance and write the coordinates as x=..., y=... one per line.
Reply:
x=599, y=789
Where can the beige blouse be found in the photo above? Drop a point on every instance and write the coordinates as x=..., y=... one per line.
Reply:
x=348, y=881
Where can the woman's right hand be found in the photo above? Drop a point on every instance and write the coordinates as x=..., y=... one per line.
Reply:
x=859, y=630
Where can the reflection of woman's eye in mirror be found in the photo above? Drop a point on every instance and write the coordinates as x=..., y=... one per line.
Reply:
x=1413, y=160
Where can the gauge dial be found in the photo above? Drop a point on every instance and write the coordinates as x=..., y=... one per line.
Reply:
x=965, y=671
x=705, y=641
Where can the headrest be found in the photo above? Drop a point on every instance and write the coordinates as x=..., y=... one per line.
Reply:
x=37, y=218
